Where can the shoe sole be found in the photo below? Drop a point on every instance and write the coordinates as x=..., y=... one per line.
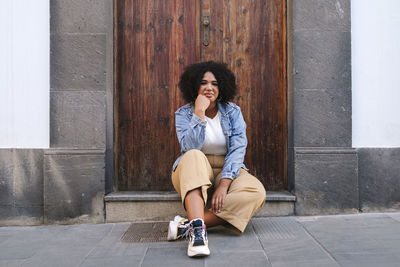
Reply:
x=199, y=251
x=172, y=231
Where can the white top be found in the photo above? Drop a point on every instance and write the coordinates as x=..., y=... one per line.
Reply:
x=214, y=141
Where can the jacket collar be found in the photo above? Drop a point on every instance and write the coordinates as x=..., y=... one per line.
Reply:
x=224, y=108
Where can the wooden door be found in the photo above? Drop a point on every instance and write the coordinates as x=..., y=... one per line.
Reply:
x=155, y=40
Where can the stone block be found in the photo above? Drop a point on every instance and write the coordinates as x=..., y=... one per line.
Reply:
x=21, y=186
x=6, y=177
x=379, y=175
x=321, y=15
x=78, y=62
x=276, y=208
x=326, y=181
x=77, y=119
x=28, y=178
x=141, y=211
x=78, y=16
x=322, y=60
x=21, y=216
x=322, y=118
x=73, y=186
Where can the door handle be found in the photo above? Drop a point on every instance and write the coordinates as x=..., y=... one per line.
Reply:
x=206, y=29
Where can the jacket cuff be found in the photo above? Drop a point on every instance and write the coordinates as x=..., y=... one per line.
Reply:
x=227, y=175
x=196, y=120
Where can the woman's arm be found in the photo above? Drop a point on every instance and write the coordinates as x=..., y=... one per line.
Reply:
x=191, y=131
x=236, y=147
x=233, y=160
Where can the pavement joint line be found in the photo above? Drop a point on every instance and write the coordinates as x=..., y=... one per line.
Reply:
x=394, y=218
x=319, y=244
x=90, y=251
x=144, y=256
x=301, y=218
x=259, y=241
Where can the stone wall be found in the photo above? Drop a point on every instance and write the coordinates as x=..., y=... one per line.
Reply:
x=21, y=186
x=379, y=176
x=325, y=165
x=74, y=167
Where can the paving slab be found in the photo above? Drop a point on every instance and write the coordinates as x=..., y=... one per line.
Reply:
x=115, y=234
x=243, y=258
x=287, y=243
x=368, y=259
x=395, y=216
x=170, y=256
x=222, y=239
x=60, y=256
x=120, y=261
x=11, y=263
x=24, y=242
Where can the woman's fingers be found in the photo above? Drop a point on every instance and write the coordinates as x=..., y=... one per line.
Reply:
x=217, y=201
x=221, y=203
x=214, y=203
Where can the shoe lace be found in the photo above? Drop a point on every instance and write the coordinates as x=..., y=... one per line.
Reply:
x=186, y=233
x=197, y=233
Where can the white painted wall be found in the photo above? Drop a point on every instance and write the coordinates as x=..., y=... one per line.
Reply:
x=375, y=27
x=24, y=73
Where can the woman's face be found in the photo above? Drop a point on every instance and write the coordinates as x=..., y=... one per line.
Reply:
x=209, y=86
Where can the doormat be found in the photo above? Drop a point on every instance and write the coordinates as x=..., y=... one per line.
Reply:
x=146, y=232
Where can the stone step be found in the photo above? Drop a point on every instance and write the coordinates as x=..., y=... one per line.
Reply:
x=139, y=206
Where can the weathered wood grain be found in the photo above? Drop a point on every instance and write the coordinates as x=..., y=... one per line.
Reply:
x=155, y=40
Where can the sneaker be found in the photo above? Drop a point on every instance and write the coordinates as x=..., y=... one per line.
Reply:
x=198, y=242
x=178, y=228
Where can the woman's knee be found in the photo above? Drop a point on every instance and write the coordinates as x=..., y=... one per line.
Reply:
x=193, y=156
x=261, y=194
x=257, y=194
x=193, y=153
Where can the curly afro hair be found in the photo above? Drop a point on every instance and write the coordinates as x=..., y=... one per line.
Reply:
x=191, y=78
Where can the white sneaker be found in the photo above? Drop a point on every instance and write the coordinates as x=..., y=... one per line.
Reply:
x=198, y=241
x=178, y=228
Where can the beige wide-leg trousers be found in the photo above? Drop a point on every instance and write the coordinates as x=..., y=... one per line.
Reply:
x=245, y=196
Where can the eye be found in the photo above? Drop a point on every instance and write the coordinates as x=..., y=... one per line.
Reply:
x=215, y=83
x=203, y=82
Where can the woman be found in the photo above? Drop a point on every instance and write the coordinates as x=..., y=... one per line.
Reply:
x=212, y=136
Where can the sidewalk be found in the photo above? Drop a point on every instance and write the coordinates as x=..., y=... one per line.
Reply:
x=371, y=239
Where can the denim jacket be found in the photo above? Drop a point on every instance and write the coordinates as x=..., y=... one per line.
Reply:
x=190, y=130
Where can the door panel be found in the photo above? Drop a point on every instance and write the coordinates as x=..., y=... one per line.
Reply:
x=155, y=40
x=254, y=46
